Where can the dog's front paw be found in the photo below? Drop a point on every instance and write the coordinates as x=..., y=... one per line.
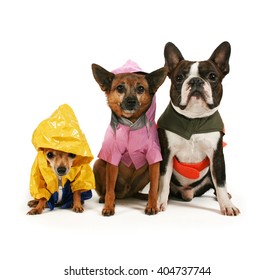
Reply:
x=78, y=209
x=108, y=211
x=230, y=210
x=150, y=210
x=162, y=206
x=35, y=211
x=33, y=203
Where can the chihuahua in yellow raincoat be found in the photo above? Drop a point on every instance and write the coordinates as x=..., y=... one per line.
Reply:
x=61, y=174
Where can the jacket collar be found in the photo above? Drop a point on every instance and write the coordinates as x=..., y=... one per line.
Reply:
x=186, y=127
x=140, y=123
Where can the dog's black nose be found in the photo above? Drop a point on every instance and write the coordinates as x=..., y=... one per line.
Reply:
x=131, y=103
x=61, y=170
x=198, y=82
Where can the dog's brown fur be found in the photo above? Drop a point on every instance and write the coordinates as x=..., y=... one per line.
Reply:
x=57, y=159
x=122, y=181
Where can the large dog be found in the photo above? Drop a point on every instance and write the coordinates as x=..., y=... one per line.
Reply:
x=130, y=154
x=191, y=129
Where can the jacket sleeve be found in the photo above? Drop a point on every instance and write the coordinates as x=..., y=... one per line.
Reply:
x=110, y=150
x=84, y=179
x=37, y=183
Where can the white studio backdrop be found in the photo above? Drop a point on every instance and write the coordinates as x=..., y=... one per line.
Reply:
x=46, y=52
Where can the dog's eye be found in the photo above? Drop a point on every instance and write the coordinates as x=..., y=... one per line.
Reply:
x=179, y=78
x=140, y=89
x=120, y=88
x=212, y=77
x=50, y=155
x=72, y=155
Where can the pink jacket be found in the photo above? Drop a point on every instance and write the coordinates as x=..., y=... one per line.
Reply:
x=126, y=144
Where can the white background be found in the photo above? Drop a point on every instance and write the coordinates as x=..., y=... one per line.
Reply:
x=46, y=51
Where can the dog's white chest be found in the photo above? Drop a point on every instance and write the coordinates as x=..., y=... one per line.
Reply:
x=192, y=151
x=195, y=149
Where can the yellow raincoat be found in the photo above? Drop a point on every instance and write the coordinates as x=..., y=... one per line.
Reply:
x=61, y=132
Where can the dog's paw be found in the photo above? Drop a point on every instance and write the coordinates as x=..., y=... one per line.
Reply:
x=163, y=206
x=230, y=210
x=33, y=203
x=108, y=211
x=163, y=200
x=151, y=210
x=78, y=209
x=35, y=211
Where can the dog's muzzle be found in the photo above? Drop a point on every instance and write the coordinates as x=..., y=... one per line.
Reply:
x=196, y=85
x=129, y=104
x=61, y=170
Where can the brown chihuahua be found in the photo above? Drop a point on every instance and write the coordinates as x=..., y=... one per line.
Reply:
x=61, y=164
x=130, y=154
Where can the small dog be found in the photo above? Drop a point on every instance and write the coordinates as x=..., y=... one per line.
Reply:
x=130, y=154
x=61, y=174
x=61, y=164
x=191, y=129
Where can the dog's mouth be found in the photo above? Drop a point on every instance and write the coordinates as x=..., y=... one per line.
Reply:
x=128, y=112
x=196, y=98
x=198, y=94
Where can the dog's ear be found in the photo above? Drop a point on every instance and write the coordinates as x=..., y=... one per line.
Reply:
x=172, y=57
x=156, y=78
x=103, y=77
x=221, y=57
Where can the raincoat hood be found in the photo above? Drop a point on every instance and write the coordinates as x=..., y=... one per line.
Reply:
x=61, y=132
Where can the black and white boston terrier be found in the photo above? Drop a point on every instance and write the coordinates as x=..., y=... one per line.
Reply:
x=191, y=129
